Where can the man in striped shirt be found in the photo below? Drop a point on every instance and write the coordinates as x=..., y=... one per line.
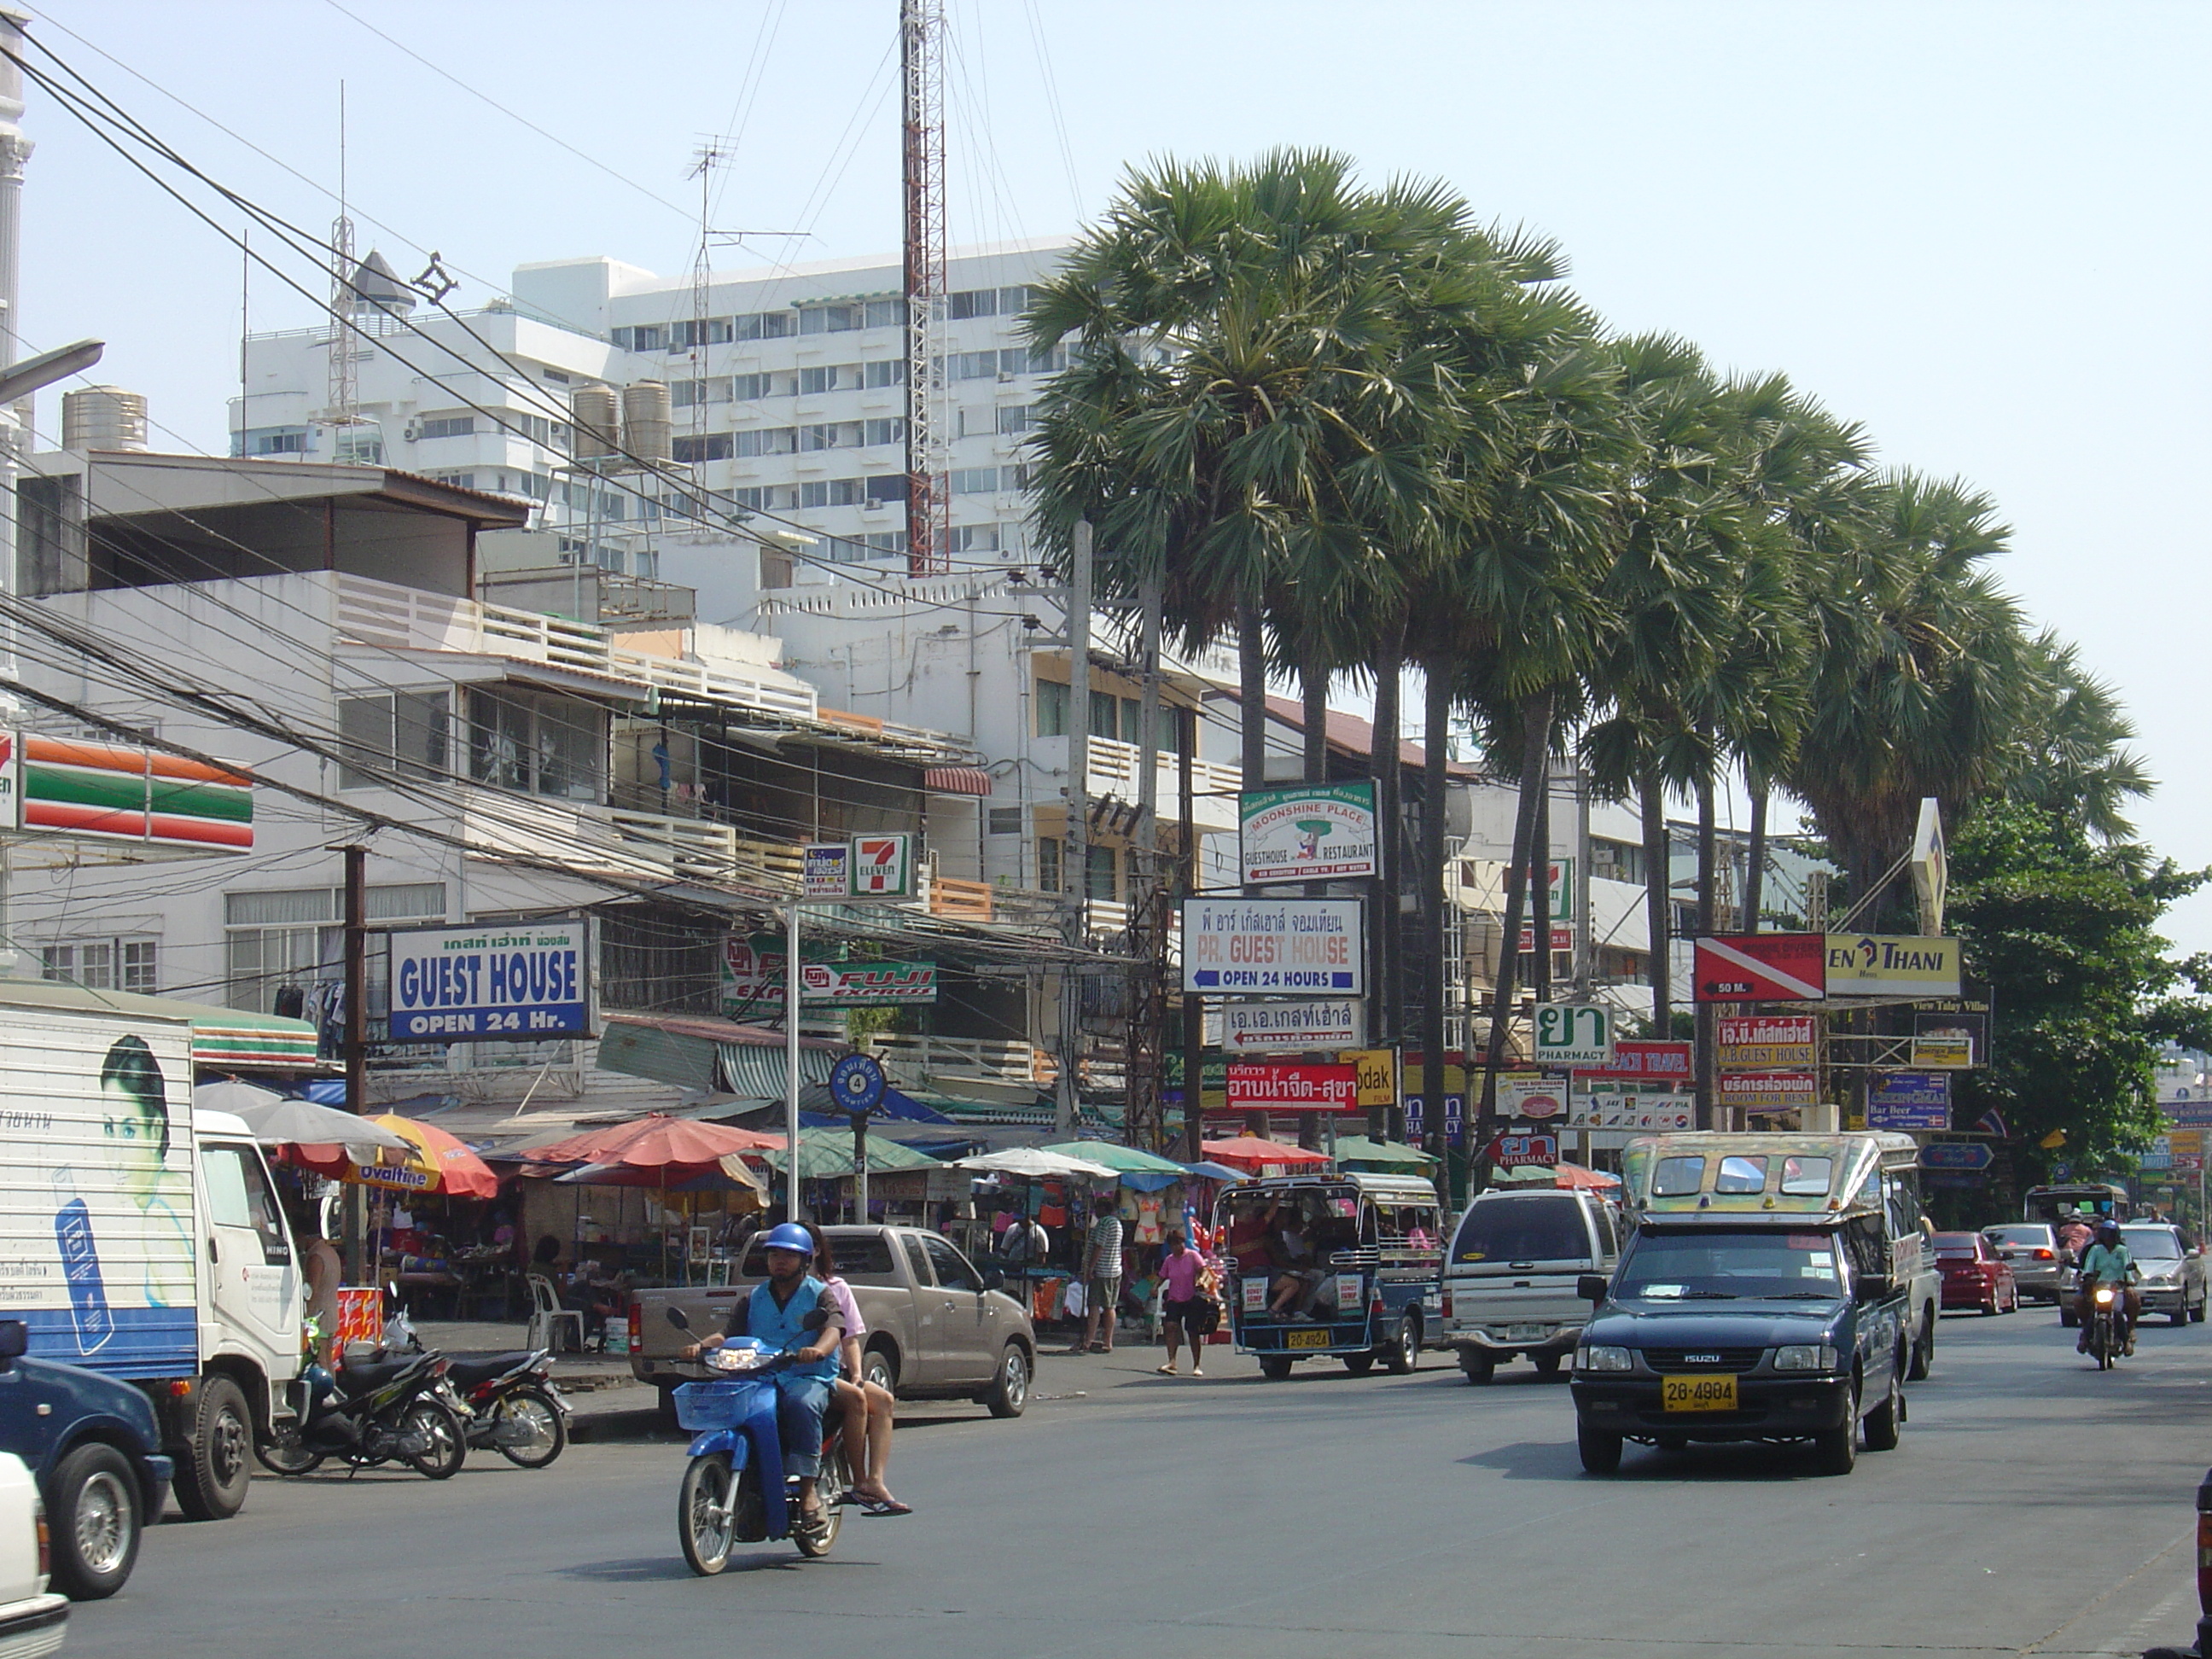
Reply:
x=1102, y=1274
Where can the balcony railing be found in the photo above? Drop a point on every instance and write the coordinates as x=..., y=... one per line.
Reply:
x=1115, y=769
x=979, y=1059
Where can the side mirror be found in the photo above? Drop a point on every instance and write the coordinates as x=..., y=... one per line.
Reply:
x=1590, y=1287
x=993, y=1281
x=1872, y=1287
x=676, y=1317
x=14, y=1342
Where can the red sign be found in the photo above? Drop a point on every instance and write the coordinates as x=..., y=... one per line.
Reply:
x=1261, y=1086
x=1511, y=1151
x=1761, y=967
x=1638, y=1057
x=1563, y=939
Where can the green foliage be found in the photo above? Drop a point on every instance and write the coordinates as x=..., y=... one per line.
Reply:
x=2062, y=928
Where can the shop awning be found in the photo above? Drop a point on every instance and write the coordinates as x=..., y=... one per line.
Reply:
x=713, y=1056
x=955, y=781
x=223, y=1039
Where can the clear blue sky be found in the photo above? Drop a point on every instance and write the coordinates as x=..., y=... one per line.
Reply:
x=1980, y=228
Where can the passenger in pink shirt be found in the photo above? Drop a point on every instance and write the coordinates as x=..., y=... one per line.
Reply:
x=1186, y=1309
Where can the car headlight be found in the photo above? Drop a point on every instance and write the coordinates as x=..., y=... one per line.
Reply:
x=1604, y=1359
x=1805, y=1357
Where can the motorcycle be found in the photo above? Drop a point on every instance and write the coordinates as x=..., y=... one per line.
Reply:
x=2107, y=1338
x=507, y=1403
x=380, y=1410
x=735, y=1490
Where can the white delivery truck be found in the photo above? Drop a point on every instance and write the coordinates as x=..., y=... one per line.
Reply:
x=139, y=1239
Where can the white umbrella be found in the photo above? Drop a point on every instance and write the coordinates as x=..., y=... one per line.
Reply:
x=234, y=1097
x=278, y=1121
x=1031, y=1161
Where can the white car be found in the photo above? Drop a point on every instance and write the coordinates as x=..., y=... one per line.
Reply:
x=33, y=1619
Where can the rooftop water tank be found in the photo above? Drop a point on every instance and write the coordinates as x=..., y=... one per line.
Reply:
x=103, y=417
x=648, y=420
x=597, y=413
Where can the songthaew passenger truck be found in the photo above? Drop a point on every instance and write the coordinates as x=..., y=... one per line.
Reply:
x=137, y=1238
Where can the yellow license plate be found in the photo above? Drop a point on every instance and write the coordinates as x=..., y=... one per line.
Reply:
x=1306, y=1340
x=1698, y=1393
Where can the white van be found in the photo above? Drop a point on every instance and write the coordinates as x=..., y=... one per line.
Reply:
x=1509, y=1276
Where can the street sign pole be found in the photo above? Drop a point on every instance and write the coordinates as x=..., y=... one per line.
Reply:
x=793, y=990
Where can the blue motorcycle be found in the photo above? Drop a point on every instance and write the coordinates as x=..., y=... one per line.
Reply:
x=735, y=1490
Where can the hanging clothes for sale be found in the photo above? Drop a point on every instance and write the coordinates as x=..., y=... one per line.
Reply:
x=1052, y=1211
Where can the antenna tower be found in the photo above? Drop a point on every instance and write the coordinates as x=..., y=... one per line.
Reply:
x=343, y=397
x=704, y=160
x=921, y=61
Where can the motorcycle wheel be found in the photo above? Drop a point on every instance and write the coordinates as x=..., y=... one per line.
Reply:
x=449, y=1443
x=531, y=1407
x=836, y=1480
x=283, y=1456
x=706, y=1513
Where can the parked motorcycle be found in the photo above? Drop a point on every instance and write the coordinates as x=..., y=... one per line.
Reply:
x=384, y=1409
x=735, y=1490
x=510, y=1405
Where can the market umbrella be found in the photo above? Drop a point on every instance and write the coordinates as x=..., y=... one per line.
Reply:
x=1036, y=1163
x=656, y=1141
x=1572, y=1176
x=433, y=1162
x=826, y=1154
x=1208, y=1170
x=724, y=1173
x=1256, y=1152
x=232, y=1096
x=279, y=1121
x=1125, y=1160
x=1358, y=1151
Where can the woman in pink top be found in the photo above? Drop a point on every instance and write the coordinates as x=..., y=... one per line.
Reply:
x=1183, y=1311
x=868, y=1407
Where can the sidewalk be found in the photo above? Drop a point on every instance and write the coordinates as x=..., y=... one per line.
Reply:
x=576, y=1373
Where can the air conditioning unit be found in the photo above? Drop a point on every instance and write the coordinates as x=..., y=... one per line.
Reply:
x=412, y=431
x=872, y=505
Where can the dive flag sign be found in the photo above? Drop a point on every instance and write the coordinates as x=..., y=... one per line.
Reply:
x=1761, y=967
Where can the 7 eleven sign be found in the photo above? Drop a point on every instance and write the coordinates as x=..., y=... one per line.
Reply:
x=882, y=866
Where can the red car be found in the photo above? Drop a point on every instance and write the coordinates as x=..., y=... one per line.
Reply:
x=1974, y=1275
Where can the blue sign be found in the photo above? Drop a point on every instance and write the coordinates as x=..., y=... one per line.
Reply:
x=1910, y=1100
x=1956, y=1155
x=1455, y=1119
x=856, y=1083
x=511, y=982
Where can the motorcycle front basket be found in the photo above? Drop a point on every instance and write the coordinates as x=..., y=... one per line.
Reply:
x=715, y=1404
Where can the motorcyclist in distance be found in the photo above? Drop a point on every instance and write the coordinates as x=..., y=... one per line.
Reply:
x=2109, y=1261
x=776, y=1313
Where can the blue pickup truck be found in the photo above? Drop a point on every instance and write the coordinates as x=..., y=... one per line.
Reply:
x=94, y=1447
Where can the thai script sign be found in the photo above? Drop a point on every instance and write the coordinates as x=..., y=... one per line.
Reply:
x=1271, y=947
x=1306, y=832
x=1767, y=1090
x=1289, y=1087
x=1279, y=1027
x=1768, y=1042
x=754, y=969
x=508, y=983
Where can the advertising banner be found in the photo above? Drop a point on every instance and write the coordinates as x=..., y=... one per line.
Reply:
x=1942, y=1053
x=826, y=870
x=1290, y=1027
x=1880, y=965
x=883, y=867
x=1377, y=1070
x=1290, y=1086
x=514, y=982
x=1956, y=1155
x=753, y=972
x=1767, y=1090
x=1643, y=1058
x=1569, y=1033
x=1760, y=968
x=1768, y=1042
x=1625, y=1106
x=94, y=791
x=1563, y=939
x=1962, y=1026
x=1517, y=1152
x=1909, y=1100
x=1306, y=832
x=1272, y=947
x=1531, y=1099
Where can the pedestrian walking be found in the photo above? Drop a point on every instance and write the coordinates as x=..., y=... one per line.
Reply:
x=1101, y=1275
x=1185, y=1307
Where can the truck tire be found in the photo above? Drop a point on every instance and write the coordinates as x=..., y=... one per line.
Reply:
x=215, y=1469
x=1275, y=1366
x=1478, y=1367
x=1837, y=1449
x=879, y=1365
x=96, y=1522
x=1885, y=1421
x=1403, y=1357
x=1923, y=1348
x=1009, y=1392
x=1601, y=1452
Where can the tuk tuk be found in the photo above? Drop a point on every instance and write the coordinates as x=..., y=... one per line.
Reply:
x=1350, y=1265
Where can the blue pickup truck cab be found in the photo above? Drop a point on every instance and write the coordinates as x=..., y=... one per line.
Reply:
x=1766, y=1294
x=94, y=1448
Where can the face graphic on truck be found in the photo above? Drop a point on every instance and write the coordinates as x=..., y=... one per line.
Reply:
x=135, y=1106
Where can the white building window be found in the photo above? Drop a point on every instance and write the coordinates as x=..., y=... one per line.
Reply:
x=403, y=732
x=102, y=964
x=293, y=940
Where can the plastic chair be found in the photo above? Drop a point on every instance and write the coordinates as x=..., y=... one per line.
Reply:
x=547, y=1315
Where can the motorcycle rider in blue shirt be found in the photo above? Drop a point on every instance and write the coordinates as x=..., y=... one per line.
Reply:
x=776, y=1314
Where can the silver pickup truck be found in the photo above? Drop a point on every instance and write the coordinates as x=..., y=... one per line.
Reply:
x=937, y=1328
x=1509, y=1276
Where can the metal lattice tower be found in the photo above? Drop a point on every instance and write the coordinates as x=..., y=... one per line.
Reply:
x=921, y=61
x=708, y=157
x=344, y=390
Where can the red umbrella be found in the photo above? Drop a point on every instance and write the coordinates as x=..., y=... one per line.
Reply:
x=1256, y=1152
x=436, y=1163
x=657, y=1142
x=1574, y=1175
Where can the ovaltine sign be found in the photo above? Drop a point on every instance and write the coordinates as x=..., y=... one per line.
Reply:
x=1271, y=947
x=1291, y=1088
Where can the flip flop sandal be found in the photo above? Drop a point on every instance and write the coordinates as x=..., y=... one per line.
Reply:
x=884, y=1506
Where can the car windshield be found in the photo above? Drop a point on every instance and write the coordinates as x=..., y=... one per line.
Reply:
x=2150, y=1244
x=1538, y=1228
x=1707, y=1264
x=1955, y=1244
x=2035, y=1235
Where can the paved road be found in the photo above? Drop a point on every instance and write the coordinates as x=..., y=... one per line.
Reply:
x=2036, y=1507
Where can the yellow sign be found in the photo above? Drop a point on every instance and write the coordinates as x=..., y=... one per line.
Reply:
x=2185, y=1143
x=1888, y=965
x=2053, y=1141
x=1943, y=1054
x=1377, y=1070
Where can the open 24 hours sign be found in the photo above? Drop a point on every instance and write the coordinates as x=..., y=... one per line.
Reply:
x=1271, y=947
x=505, y=983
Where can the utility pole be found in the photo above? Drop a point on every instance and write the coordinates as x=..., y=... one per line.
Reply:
x=793, y=991
x=356, y=1042
x=1075, y=859
x=921, y=170
x=1194, y=1006
x=1148, y=893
